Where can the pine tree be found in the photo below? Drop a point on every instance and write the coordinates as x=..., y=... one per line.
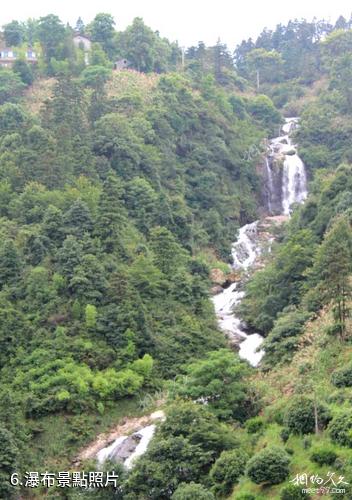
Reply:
x=333, y=266
x=9, y=263
x=78, y=219
x=112, y=214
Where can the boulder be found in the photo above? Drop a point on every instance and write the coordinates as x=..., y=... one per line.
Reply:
x=217, y=276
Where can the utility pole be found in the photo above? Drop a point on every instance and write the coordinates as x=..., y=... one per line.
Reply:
x=258, y=81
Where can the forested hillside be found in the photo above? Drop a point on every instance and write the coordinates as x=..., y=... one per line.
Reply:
x=120, y=191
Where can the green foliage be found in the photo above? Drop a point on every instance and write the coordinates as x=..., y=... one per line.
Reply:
x=184, y=449
x=227, y=470
x=332, y=268
x=190, y=491
x=102, y=31
x=254, y=425
x=13, y=33
x=91, y=316
x=11, y=85
x=340, y=429
x=283, y=340
x=263, y=110
x=24, y=71
x=269, y=466
x=323, y=456
x=293, y=492
x=218, y=380
x=51, y=34
x=9, y=455
x=280, y=284
x=300, y=415
x=343, y=376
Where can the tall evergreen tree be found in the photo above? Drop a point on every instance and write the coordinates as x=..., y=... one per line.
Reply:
x=333, y=267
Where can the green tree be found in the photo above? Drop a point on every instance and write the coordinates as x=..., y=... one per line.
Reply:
x=169, y=255
x=78, y=219
x=90, y=316
x=192, y=491
x=51, y=34
x=269, y=466
x=112, y=215
x=340, y=429
x=301, y=415
x=11, y=86
x=227, y=470
x=9, y=455
x=10, y=263
x=102, y=30
x=265, y=66
x=332, y=268
x=138, y=45
x=24, y=71
x=185, y=447
x=13, y=33
x=218, y=380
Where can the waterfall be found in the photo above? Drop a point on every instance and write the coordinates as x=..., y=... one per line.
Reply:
x=294, y=179
x=245, y=251
x=247, y=248
x=270, y=187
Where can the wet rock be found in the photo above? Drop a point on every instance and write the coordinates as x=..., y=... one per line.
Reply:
x=126, y=448
x=216, y=289
x=217, y=276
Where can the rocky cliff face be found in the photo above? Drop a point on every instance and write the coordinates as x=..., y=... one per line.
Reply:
x=271, y=171
x=283, y=174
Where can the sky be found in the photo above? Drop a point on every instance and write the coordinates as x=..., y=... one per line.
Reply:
x=187, y=21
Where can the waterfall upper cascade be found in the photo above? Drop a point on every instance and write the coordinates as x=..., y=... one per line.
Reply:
x=249, y=246
x=293, y=175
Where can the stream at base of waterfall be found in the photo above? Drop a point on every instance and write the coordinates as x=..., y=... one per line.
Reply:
x=253, y=240
x=250, y=244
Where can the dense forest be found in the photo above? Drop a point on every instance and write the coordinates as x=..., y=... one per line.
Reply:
x=120, y=192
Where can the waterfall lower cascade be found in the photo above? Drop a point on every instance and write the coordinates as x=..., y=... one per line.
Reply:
x=248, y=246
x=126, y=448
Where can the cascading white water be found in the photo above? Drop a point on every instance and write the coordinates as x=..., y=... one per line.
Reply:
x=246, y=249
x=270, y=189
x=294, y=179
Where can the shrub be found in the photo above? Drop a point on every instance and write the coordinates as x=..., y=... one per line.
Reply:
x=299, y=417
x=226, y=471
x=307, y=443
x=293, y=492
x=340, y=429
x=285, y=434
x=190, y=491
x=270, y=466
x=283, y=340
x=254, y=425
x=343, y=376
x=323, y=456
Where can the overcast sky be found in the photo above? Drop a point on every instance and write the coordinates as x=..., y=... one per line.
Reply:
x=187, y=21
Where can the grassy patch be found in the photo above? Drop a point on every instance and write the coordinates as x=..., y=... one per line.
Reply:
x=57, y=438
